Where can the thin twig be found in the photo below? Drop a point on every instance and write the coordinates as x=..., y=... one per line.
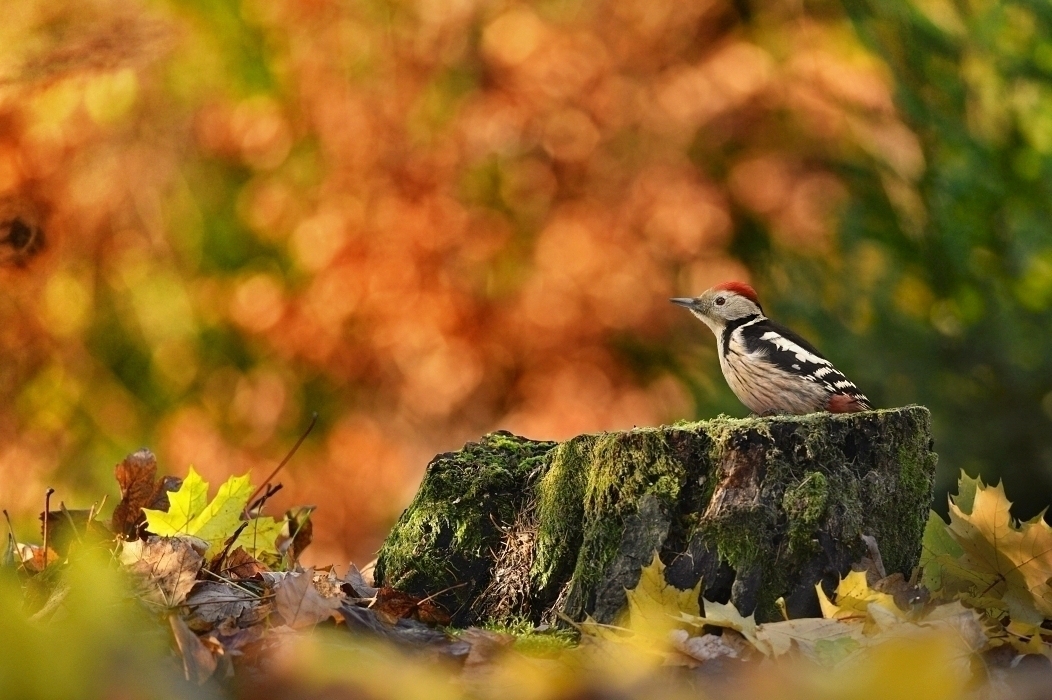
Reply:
x=295, y=448
x=309, y=511
x=230, y=543
x=234, y=584
x=261, y=501
x=10, y=527
x=14, y=540
x=47, y=512
x=72, y=524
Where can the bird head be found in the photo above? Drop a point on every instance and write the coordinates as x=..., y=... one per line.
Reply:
x=722, y=304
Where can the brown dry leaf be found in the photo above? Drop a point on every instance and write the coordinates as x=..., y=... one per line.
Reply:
x=167, y=567
x=32, y=557
x=166, y=486
x=64, y=527
x=395, y=604
x=239, y=564
x=300, y=604
x=198, y=662
x=360, y=587
x=486, y=645
x=214, y=603
x=137, y=476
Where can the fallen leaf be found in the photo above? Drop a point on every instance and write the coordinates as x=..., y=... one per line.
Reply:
x=198, y=662
x=984, y=553
x=212, y=604
x=696, y=650
x=938, y=550
x=65, y=526
x=655, y=606
x=360, y=588
x=395, y=604
x=855, y=598
x=190, y=513
x=727, y=616
x=166, y=566
x=239, y=564
x=300, y=604
x=160, y=499
x=33, y=559
x=817, y=638
x=403, y=631
x=962, y=623
x=486, y=645
x=136, y=476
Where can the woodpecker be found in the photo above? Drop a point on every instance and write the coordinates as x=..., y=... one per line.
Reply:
x=770, y=368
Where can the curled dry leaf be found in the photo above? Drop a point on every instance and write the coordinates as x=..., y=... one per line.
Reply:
x=166, y=566
x=300, y=604
x=198, y=662
x=360, y=588
x=137, y=476
x=405, y=632
x=693, y=651
x=32, y=557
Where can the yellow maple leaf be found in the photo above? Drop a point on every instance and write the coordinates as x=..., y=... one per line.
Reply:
x=854, y=599
x=190, y=513
x=1016, y=558
x=655, y=606
x=726, y=615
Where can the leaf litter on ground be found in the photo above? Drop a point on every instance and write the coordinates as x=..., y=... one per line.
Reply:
x=230, y=603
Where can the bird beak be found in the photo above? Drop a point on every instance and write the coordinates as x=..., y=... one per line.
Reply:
x=685, y=302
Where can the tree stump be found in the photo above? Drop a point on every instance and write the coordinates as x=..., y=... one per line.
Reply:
x=758, y=508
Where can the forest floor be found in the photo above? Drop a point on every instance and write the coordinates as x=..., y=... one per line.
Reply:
x=184, y=596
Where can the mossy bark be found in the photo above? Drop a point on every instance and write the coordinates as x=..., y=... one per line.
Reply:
x=756, y=508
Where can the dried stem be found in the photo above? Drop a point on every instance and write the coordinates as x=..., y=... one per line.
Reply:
x=295, y=448
x=47, y=512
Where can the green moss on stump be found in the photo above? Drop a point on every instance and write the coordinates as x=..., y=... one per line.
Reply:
x=757, y=508
x=445, y=540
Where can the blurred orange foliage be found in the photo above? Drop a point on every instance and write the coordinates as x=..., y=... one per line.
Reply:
x=425, y=220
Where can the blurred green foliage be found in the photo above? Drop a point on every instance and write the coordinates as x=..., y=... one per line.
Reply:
x=78, y=633
x=946, y=279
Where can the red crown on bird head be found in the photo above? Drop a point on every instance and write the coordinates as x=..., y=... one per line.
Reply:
x=740, y=288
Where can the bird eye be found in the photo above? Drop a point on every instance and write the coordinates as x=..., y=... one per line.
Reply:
x=720, y=301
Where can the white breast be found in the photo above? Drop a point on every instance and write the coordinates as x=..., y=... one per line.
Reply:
x=763, y=387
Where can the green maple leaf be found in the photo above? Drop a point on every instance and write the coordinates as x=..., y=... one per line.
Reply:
x=190, y=513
